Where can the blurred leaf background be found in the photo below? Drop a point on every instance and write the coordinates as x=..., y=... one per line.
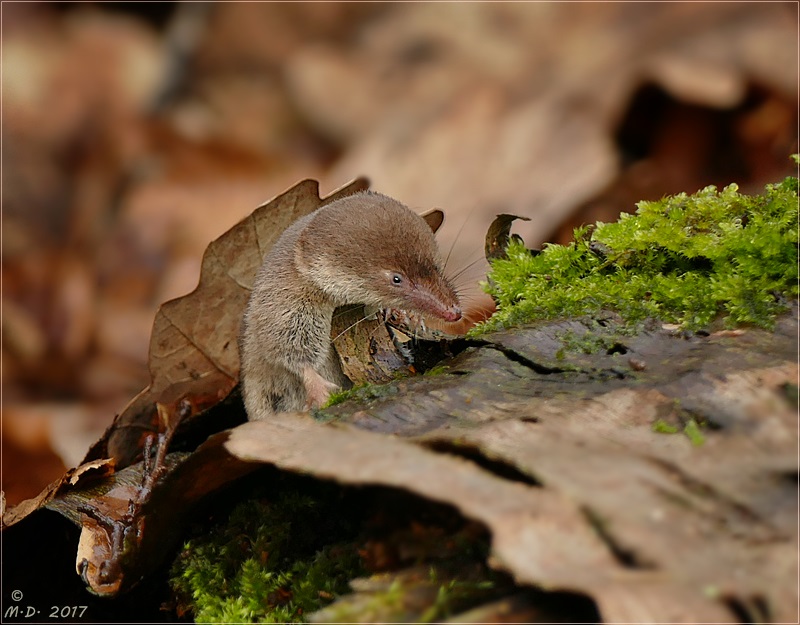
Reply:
x=134, y=134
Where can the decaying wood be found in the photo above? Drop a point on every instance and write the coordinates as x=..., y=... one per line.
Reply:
x=650, y=525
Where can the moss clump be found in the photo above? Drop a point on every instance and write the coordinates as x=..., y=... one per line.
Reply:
x=693, y=433
x=685, y=259
x=595, y=339
x=452, y=594
x=263, y=565
x=662, y=427
x=692, y=427
x=362, y=392
x=414, y=595
x=437, y=370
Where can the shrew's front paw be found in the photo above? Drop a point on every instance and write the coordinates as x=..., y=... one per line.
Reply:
x=318, y=389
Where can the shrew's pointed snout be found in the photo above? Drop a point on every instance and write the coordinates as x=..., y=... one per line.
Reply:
x=429, y=301
x=451, y=314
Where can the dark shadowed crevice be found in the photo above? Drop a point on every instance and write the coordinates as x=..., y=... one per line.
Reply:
x=626, y=556
x=532, y=605
x=519, y=358
x=793, y=477
x=730, y=514
x=749, y=609
x=617, y=348
x=472, y=453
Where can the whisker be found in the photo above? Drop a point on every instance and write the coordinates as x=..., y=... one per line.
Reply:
x=470, y=296
x=463, y=281
x=461, y=271
x=475, y=318
x=376, y=328
x=467, y=285
x=458, y=234
x=352, y=325
x=344, y=311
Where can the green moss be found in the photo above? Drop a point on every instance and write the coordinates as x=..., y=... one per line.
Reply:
x=248, y=569
x=437, y=370
x=692, y=431
x=410, y=596
x=453, y=594
x=368, y=392
x=792, y=394
x=361, y=392
x=593, y=340
x=662, y=427
x=686, y=259
x=337, y=397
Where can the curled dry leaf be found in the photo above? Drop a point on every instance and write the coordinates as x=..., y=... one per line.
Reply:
x=374, y=347
x=87, y=472
x=498, y=236
x=134, y=518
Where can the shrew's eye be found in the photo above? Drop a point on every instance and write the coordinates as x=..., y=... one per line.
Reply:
x=397, y=279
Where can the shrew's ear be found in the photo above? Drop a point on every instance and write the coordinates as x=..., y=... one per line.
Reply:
x=434, y=219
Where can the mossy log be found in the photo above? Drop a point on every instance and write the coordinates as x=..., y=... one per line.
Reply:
x=566, y=459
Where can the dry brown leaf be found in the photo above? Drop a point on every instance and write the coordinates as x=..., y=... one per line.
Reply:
x=365, y=346
x=499, y=235
x=90, y=471
x=134, y=517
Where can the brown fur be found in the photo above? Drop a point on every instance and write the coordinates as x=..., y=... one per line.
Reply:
x=347, y=252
